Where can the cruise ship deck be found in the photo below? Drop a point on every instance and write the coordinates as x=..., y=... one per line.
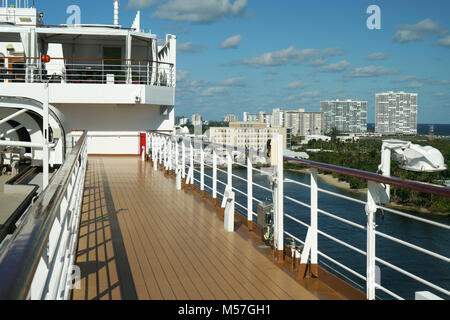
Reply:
x=140, y=238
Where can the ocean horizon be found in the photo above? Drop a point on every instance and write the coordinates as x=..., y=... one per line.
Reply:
x=424, y=128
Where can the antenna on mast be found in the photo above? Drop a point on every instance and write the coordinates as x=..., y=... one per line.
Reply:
x=116, y=12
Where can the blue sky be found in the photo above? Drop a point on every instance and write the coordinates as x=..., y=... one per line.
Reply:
x=256, y=55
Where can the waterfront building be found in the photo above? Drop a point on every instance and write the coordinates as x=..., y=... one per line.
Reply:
x=346, y=116
x=253, y=135
x=396, y=113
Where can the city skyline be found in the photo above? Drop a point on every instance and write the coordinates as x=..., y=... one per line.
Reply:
x=248, y=55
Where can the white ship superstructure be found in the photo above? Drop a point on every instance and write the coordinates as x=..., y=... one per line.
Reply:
x=114, y=82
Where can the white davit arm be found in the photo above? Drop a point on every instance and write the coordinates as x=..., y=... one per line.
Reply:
x=412, y=157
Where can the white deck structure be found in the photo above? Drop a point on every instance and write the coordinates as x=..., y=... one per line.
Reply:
x=114, y=82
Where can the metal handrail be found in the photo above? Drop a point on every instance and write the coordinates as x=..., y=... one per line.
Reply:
x=355, y=173
x=20, y=258
x=97, y=59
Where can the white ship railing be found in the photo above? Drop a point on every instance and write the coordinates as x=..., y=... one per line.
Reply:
x=88, y=71
x=37, y=262
x=187, y=156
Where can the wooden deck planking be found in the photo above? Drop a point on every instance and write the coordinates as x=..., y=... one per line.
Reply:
x=175, y=247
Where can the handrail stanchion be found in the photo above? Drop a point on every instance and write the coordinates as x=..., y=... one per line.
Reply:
x=202, y=168
x=371, y=209
x=278, y=194
x=229, y=169
x=214, y=186
x=177, y=152
x=155, y=152
x=183, y=158
x=169, y=154
x=166, y=154
x=191, y=164
x=314, y=207
x=249, y=192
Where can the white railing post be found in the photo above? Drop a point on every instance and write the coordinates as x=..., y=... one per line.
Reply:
x=158, y=149
x=278, y=198
x=229, y=169
x=177, y=151
x=190, y=177
x=155, y=152
x=371, y=209
x=202, y=167
x=314, y=207
x=214, y=186
x=183, y=158
x=166, y=153
x=249, y=191
x=170, y=154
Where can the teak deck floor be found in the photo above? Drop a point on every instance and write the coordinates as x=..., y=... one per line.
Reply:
x=140, y=238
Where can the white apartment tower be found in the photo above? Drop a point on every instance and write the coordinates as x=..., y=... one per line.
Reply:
x=396, y=113
x=346, y=116
x=197, y=120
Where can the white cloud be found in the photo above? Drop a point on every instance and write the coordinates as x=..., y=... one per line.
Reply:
x=371, y=71
x=403, y=36
x=335, y=67
x=445, y=42
x=288, y=55
x=417, y=32
x=425, y=26
x=404, y=79
x=232, y=42
x=377, y=56
x=317, y=62
x=296, y=85
x=142, y=4
x=215, y=91
x=234, y=82
x=310, y=94
x=415, y=85
x=189, y=47
x=329, y=52
x=200, y=11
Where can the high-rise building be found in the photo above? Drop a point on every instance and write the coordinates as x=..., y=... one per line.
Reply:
x=231, y=118
x=396, y=113
x=303, y=123
x=197, y=120
x=253, y=117
x=309, y=123
x=278, y=118
x=346, y=116
x=181, y=121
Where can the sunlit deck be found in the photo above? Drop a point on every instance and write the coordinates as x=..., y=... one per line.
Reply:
x=140, y=238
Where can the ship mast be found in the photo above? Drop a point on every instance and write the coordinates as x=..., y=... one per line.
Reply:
x=116, y=12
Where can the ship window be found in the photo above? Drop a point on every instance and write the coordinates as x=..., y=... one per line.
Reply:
x=113, y=57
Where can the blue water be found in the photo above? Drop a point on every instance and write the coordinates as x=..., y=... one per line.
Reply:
x=423, y=235
x=439, y=129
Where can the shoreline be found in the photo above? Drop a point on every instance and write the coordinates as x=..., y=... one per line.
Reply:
x=329, y=179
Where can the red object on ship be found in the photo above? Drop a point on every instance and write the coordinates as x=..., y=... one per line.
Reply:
x=143, y=143
x=45, y=58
